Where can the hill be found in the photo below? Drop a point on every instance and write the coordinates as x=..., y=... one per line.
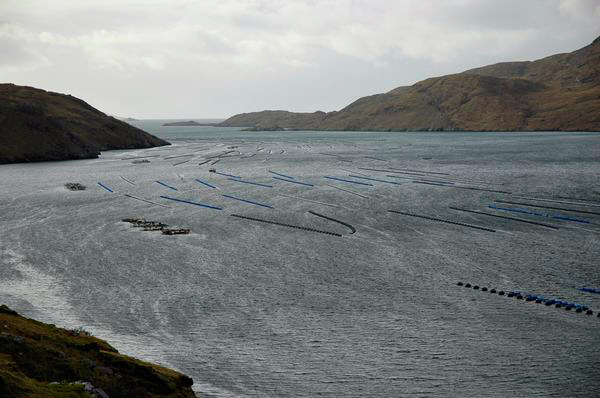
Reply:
x=38, y=125
x=38, y=360
x=560, y=92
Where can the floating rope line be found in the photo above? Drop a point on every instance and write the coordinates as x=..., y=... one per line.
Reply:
x=185, y=161
x=105, y=187
x=129, y=181
x=192, y=203
x=251, y=183
x=456, y=186
x=334, y=220
x=178, y=156
x=441, y=220
x=248, y=201
x=346, y=190
x=350, y=181
x=355, y=172
x=206, y=183
x=547, y=207
x=141, y=157
x=309, y=200
x=287, y=225
x=165, y=185
x=556, y=216
x=216, y=161
x=293, y=182
x=557, y=201
x=281, y=175
x=226, y=175
x=145, y=200
x=374, y=158
x=420, y=171
x=505, y=217
x=375, y=179
x=201, y=163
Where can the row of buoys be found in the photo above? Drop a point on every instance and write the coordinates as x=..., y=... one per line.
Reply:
x=469, y=188
x=352, y=229
x=527, y=211
x=547, y=207
x=568, y=306
x=286, y=225
x=504, y=217
x=441, y=220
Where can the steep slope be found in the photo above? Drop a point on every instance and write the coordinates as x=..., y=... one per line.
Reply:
x=38, y=360
x=37, y=125
x=560, y=92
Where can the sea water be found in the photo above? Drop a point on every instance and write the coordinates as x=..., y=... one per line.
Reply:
x=250, y=308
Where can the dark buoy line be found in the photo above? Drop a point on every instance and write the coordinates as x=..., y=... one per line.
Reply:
x=568, y=306
x=349, y=181
x=589, y=290
x=375, y=179
x=165, y=185
x=504, y=217
x=547, y=207
x=251, y=183
x=192, y=203
x=444, y=221
x=286, y=225
x=526, y=211
x=352, y=229
x=558, y=201
x=248, y=201
x=201, y=163
x=281, y=175
x=458, y=187
x=293, y=181
x=105, y=187
x=205, y=183
x=225, y=174
x=145, y=200
x=346, y=190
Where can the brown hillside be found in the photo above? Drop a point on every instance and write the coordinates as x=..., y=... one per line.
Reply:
x=37, y=125
x=560, y=92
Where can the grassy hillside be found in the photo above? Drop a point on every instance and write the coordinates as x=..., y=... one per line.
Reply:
x=37, y=125
x=560, y=92
x=38, y=360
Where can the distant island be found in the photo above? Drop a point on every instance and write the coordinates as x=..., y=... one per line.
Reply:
x=186, y=123
x=42, y=360
x=556, y=93
x=38, y=125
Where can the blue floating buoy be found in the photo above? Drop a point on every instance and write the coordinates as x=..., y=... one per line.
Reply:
x=539, y=301
x=519, y=297
x=459, y=284
x=529, y=298
x=549, y=303
x=476, y=287
x=468, y=285
x=484, y=289
x=558, y=305
x=568, y=307
x=492, y=290
x=589, y=312
x=579, y=309
x=501, y=292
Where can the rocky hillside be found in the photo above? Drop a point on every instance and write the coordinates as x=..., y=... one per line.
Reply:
x=38, y=360
x=38, y=125
x=560, y=92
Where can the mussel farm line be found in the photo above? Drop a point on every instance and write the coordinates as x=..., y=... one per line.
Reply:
x=441, y=220
x=547, y=207
x=349, y=181
x=248, y=201
x=504, y=217
x=166, y=185
x=286, y=225
x=352, y=229
x=280, y=175
x=192, y=203
x=293, y=181
x=251, y=183
x=206, y=183
x=555, y=216
x=105, y=187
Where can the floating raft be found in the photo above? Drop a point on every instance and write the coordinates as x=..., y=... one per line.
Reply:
x=75, y=186
x=176, y=231
x=286, y=225
x=442, y=220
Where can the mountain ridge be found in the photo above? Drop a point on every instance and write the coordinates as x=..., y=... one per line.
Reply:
x=558, y=92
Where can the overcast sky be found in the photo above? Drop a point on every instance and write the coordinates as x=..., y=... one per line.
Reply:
x=215, y=58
